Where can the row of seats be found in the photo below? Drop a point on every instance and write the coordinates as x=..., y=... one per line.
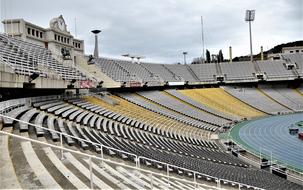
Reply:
x=196, y=104
x=165, y=100
x=221, y=101
x=188, y=137
x=285, y=96
x=20, y=62
x=256, y=98
x=121, y=70
x=217, y=163
x=155, y=120
x=205, y=150
x=296, y=59
x=43, y=168
x=138, y=70
x=154, y=107
x=183, y=71
x=27, y=58
x=162, y=71
x=275, y=70
x=238, y=70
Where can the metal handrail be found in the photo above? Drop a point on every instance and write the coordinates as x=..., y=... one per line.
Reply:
x=137, y=158
x=73, y=137
x=195, y=173
x=272, y=160
x=259, y=155
x=102, y=160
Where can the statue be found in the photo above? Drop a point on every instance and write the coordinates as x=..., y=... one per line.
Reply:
x=65, y=53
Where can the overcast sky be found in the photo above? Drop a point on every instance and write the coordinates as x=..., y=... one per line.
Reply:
x=162, y=29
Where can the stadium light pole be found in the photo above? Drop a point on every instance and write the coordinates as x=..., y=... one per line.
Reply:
x=184, y=56
x=139, y=57
x=131, y=56
x=249, y=17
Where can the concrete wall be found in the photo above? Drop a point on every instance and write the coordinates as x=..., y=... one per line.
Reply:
x=35, y=41
x=9, y=79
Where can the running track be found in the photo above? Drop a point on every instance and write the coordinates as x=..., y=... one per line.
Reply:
x=271, y=135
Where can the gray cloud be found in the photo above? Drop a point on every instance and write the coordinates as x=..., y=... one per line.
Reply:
x=162, y=30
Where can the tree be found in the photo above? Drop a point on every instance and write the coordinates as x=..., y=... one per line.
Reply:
x=220, y=56
x=207, y=56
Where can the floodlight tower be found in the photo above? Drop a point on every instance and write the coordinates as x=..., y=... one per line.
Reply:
x=96, y=51
x=249, y=17
x=184, y=55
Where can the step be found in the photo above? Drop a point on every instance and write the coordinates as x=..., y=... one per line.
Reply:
x=8, y=177
x=172, y=184
x=121, y=176
x=62, y=168
x=148, y=177
x=133, y=177
x=185, y=186
x=25, y=174
x=43, y=175
x=85, y=171
x=103, y=172
x=163, y=184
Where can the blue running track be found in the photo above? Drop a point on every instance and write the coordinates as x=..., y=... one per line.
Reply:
x=271, y=135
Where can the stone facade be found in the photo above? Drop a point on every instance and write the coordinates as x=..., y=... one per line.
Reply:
x=294, y=49
x=53, y=38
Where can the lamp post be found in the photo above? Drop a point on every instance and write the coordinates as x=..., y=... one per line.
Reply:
x=139, y=57
x=96, y=51
x=184, y=56
x=249, y=17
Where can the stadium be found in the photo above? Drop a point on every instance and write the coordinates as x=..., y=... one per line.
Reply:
x=70, y=120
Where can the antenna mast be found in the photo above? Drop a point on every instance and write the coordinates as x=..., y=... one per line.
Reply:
x=202, y=35
x=75, y=27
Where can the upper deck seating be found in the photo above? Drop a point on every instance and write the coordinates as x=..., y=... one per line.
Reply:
x=28, y=58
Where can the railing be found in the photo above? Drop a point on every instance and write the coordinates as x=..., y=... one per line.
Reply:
x=91, y=169
x=8, y=105
x=136, y=160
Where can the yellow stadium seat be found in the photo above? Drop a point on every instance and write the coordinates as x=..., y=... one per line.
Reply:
x=220, y=100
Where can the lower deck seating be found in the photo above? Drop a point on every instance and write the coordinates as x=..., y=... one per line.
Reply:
x=257, y=99
x=205, y=158
x=154, y=107
x=199, y=105
x=43, y=168
x=220, y=100
x=202, y=117
x=142, y=115
x=286, y=96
